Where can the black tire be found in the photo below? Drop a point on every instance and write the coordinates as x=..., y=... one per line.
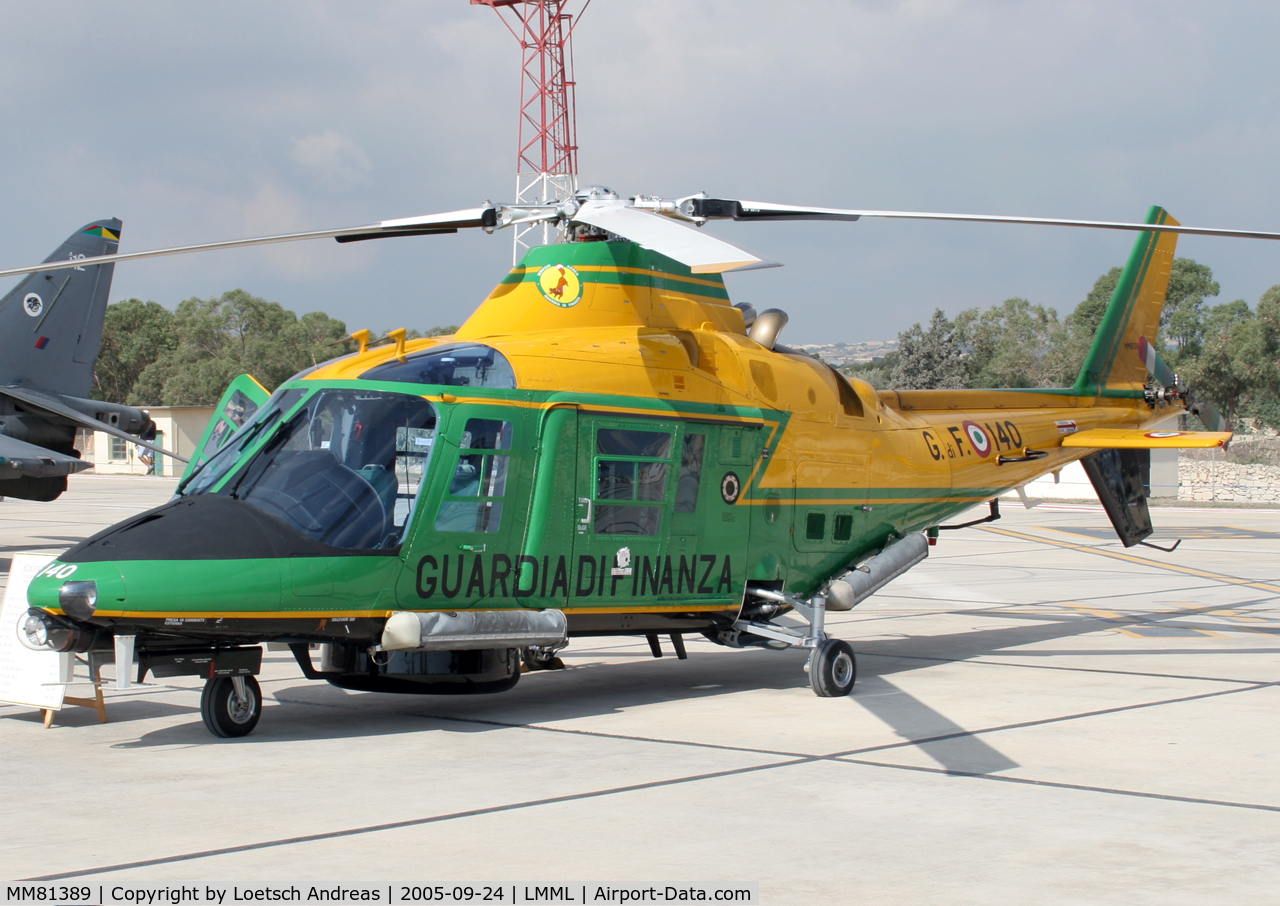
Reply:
x=833, y=669
x=223, y=714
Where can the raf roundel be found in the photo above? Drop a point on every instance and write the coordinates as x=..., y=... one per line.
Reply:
x=977, y=438
x=32, y=305
x=560, y=285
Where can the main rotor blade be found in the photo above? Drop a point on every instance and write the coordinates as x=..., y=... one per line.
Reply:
x=725, y=209
x=703, y=254
x=448, y=222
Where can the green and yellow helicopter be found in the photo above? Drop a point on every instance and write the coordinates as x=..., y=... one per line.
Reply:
x=607, y=446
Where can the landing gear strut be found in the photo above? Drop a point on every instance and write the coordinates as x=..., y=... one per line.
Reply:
x=231, y=705
x=832, y=667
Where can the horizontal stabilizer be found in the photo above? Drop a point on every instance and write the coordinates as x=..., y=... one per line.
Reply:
x=1136, y=439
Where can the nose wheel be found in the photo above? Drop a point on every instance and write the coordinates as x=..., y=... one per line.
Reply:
x=833, y=669
x=231, y=705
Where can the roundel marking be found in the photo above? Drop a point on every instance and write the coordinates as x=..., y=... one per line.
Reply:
x=977, y=438
x=560, y=285
x=32, y=304
x=1160, y=434
x=730, y=487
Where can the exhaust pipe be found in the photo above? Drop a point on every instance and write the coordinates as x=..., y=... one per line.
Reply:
x=462, y=630
x=767, y=325
x=860, y=583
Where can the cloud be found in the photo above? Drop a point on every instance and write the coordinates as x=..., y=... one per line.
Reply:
x=333, y=160
x=1085, y=108
x=274, y=210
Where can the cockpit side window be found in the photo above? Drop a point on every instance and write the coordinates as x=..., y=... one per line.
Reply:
x=454, y=365
x=473, y=501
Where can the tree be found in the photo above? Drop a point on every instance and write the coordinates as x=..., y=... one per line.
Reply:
x=217, y=339
x=877, y=373
x=1081, y=326
x=1190, y=283
x=1014, y=344
x=414, y=334
x=134, y=334
x=1238, y=366
x=929, y=359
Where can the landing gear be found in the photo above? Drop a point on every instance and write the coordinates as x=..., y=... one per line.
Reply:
x=832, y=668
x=231, y=705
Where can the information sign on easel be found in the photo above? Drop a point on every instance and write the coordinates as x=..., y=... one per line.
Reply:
x=37, y=679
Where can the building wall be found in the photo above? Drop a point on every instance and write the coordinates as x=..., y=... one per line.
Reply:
x=178, y=429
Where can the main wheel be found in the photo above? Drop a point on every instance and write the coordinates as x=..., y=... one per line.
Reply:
x=227, y=713
x=833, y=669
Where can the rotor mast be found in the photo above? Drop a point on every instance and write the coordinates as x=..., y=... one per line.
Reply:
x=547, y=148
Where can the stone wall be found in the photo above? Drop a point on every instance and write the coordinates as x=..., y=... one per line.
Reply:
x=1228, y=481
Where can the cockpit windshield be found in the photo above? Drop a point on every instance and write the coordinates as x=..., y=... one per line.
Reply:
x=345, y=469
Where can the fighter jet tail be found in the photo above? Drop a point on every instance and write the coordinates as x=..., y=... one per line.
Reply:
x=51, y=323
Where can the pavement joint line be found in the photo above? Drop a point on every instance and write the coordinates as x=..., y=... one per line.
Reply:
x=1061, y=785
x=1174, y=676
x=419, y=822
x=545, y=728
x=657, y=784
x=1022, y=725
x=841, y=754
x=1116, y=555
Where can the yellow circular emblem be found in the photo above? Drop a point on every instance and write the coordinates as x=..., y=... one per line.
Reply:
x=560, y=285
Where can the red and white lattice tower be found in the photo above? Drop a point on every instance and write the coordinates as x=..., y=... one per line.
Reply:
x=547, y=153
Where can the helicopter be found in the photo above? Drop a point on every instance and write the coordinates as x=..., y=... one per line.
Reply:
x=607, y=446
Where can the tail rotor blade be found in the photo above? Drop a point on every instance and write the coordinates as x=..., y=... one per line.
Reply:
x=1158, y=367
x=1209, y=415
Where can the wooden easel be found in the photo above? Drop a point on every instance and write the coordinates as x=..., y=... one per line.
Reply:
x=97, y=702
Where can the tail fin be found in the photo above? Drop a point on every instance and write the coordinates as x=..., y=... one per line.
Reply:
x=1114, y=362
x=51, y=323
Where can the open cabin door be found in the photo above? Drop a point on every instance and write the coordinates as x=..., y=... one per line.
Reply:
x=240, y=402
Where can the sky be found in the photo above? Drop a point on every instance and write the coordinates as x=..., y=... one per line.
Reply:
x=200, y=122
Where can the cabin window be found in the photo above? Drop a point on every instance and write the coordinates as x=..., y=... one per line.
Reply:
x=690, y=473
x=815, y=526
x=631, y=466
x=842, y=529
x=454, y=365
x=344, y=469
x=473, y=501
